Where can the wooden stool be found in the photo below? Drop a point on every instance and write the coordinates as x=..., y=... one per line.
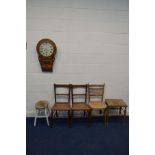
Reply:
x=41, y=106
x=116, y=104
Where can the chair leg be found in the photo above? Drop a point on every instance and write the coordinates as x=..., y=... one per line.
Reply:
x=69, y=119
x=84, y=113
x=107, y=116
x=49, y=111
x=124, y=112
x=120, y=109
x=56, y=113
x=89, y=117
x=52, y=120
x=100, y=111
x=72, y=115
x=46, y=116
x=104, y=116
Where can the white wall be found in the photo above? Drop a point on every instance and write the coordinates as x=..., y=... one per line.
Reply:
x=92, y=40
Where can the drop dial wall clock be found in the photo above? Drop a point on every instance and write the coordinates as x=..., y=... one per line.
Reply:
x=46, y=50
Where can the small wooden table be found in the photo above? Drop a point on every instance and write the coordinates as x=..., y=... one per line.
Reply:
x=116, y=104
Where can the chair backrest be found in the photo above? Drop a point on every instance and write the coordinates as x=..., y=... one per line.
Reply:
x=95, y=91
x=62, y=91
x=79, y=93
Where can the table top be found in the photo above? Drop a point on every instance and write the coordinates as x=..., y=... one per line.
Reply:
x=115, y=103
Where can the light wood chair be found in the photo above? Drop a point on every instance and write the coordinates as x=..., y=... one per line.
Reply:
x=61, y=105
x=42, y=111
x=80, y=92
x=95, y=99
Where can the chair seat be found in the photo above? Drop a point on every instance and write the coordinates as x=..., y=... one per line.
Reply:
x=97, y=105
x=61, y=106
x=80, y=106
x=41, y=105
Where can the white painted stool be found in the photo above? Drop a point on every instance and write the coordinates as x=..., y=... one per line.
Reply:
x=41, y=107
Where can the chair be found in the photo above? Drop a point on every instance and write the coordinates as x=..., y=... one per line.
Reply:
x=42, y=110
x=79, y=99
x=62, y=93
x=95, y=99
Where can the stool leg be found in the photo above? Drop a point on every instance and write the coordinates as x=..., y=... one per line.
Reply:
x=46, y=116
x=35, y=119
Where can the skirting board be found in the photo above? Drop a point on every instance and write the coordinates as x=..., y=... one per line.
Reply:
x=63, y=114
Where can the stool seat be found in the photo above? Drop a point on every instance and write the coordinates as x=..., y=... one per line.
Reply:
x=41, y=104
x=116, y=104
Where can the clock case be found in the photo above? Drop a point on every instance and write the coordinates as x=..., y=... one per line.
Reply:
x=46, y=62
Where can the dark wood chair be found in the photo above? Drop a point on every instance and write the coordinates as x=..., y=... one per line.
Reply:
x=64, y=101
x=95, y=99
x=79, y=100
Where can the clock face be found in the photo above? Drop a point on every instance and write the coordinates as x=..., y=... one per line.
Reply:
x=46, y=49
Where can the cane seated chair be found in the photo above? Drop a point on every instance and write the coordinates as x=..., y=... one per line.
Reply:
x=79, y=100
x=62, y=101
x=95, y=99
